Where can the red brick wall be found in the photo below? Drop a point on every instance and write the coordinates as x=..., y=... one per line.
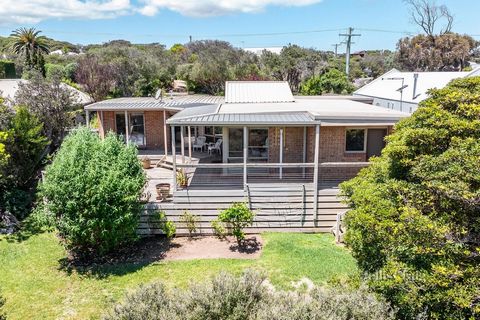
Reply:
x=154, y=130
x=108, y=123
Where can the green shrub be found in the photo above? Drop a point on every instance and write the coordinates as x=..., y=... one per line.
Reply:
x=160, y=221
x=219, y=228
x=92, y=191
x=248, y=298
x=2, y=303
x=190, y=221
x=414, y=227
x=238, y=217
x=333, y=81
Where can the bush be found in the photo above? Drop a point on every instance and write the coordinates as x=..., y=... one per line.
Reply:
x=190, y=221
x=219, y=228
x=245, y=298
x=92, y=191
x=333, y=81
x=238, y=217
x=160, y=221
x=2, y=303
x=414, y=227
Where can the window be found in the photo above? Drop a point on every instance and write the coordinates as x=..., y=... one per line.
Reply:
x=235, y=139
x=258, y=144
x=137, y=129
x=355, y=140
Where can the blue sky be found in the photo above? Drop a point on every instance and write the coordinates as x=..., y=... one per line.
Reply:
x=172, y=21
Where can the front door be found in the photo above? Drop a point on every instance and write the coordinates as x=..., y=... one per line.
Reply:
x=375, y=142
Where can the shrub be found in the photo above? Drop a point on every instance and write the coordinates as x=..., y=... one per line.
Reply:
x=414, y=227
x=92, y=190
x=219, y=228
x=238, y=217
x=248, y=298
x=333, y=81
x=190, y=221
x=160, y=221
x=2, y=303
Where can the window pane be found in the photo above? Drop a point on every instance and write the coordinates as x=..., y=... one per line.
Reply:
x=137, y=129
x=120, y=124
x=355, y=140
x=235, y=140
x=258, y=144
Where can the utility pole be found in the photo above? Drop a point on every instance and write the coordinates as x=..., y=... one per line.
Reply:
x=348, y=41
x=190, y=38
x=336, y=48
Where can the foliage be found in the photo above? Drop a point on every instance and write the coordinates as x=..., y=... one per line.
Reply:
x=182, y=179
x=50, y=101
x=2, y=303
x=53, y=69
x=247, y=297
x=333, y=81
x=238, y=217
x=22, y=147
x=97, y=79
x=444, y=52
x=31, y=46
x=92, y=190
x=415, y=223
x=219, y=228
x=190, y=221
x=7, y=69
x=426, y=14
x=159, y=220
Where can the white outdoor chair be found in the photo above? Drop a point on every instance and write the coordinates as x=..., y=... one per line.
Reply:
x=185, y=141
x=215, y=147
x=199, y=143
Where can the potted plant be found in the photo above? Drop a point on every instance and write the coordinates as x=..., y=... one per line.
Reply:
x=163, y=191
x=146, y=162
x=182, y=179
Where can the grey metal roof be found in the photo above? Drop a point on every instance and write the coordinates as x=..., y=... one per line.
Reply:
x=257, y=91
x=175, y=103
x=286, y=118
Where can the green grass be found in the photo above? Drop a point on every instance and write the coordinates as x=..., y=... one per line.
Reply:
x=36, y=287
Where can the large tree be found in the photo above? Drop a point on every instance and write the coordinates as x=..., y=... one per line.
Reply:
x=414, y=227
x=427, y=15
x=444, y=52
x=31, y=46
x=95, y=77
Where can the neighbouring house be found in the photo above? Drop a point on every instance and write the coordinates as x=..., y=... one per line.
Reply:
x=403, y=91
x=284, y=155
x=9, y=87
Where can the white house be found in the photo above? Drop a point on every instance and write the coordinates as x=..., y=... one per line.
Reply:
x=403, y=91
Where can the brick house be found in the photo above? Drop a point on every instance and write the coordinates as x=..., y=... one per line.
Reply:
x=260, y=123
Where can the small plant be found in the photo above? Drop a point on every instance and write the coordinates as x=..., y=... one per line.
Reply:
x=182, y=179
x=238, y=217
x=2, y=303
x=190, y=221
x=219, y=228
x=160, y=221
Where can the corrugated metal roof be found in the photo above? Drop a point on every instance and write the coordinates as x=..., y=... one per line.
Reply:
x=294, y=118
x=149, y=103
x=388, y=85
x=257, y=92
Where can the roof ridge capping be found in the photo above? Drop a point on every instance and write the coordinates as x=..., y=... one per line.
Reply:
x=258, y=92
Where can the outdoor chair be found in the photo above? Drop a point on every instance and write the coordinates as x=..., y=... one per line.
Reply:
x=185, y=141
x=199, y=143
x=215, y=146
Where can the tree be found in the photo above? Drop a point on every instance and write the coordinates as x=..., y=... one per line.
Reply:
x=97, y=79
x=331, y=82
x=426, y=14
x=414, y=227
x=92, y=192
x=28, y=43
x=435, y=53
x=50, y=100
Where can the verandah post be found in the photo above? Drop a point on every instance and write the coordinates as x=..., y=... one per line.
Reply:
x=190, y=143
x=165, y=132
x=182, y=144
x=174, y=159
x=315, y=174
x=127, y=135
x=281, y=153
x=87, y=118
x=245, y=156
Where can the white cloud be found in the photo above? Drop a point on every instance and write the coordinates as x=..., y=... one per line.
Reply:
x=205, y=8
x=34, y=11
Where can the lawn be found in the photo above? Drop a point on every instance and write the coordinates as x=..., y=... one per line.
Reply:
x=36, y=287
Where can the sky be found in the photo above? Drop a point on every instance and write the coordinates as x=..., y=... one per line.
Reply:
x=244, y=23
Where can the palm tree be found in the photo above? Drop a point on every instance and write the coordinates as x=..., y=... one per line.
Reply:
x=27, y=42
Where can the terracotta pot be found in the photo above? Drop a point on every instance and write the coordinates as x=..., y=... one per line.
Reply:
x=147, y=163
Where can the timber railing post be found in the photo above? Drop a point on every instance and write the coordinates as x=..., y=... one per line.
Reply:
x=245, y=156
x=315, y=174
x=174, y=160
